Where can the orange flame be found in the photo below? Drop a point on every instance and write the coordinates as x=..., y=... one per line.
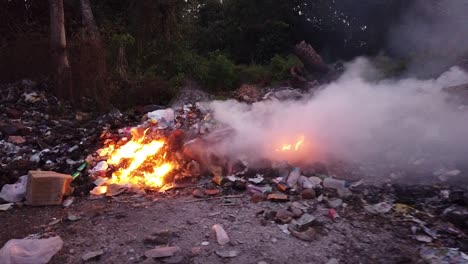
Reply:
x=289, y=147
x=140, y=163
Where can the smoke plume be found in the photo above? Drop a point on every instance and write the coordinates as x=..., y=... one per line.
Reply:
x=433, y=35
x=354, y=119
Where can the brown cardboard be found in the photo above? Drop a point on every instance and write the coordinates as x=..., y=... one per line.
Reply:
x=46, y=187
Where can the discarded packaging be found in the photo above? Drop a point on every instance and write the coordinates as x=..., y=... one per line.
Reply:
x=443, y=255
x=221, y=235
x=258, y=179
x=47, y=187
x=14, y=193
x=68, y=201
x=101, y=166
x=79, y=170
x=379, y=208
x=162, y=118
x=259, y=189
x=305, y=183
x=304, y=222
x=282, y=186
x=219, y=180
x=334, y=203
x=98, y=190
x=30, y=251
x=308, y=235
x=423, y=238
x=447, y=175
x=334, y=216
x=115, y=189
x=341, y=186
x=293, y=176
x=7, y=206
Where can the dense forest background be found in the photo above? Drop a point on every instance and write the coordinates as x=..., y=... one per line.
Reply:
x=147, y=49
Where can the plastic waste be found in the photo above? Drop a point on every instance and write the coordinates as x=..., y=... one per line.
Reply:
x=259, y=189
x=341, y=186
x=30, y=251
x=443, y=255
x=16, y=192
x=305, y=183
x=163, y=118
x=221, y=235
x=101, y=166
x=294, y=176
x=79, y=170
x=379, y=208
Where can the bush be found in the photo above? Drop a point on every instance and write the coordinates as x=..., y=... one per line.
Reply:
x=216, y=72
x=280, y=66
x=254, y=74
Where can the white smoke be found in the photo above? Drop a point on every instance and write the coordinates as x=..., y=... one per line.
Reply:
x=354, y=119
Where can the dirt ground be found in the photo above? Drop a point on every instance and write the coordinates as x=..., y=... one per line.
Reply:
x=124, y=227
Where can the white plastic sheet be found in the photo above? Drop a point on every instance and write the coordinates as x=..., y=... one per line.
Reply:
x=16, y=192
x=30, y=251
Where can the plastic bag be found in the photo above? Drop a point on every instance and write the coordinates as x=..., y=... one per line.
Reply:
x=163, y=118
x=30, y=251
x=16, y=192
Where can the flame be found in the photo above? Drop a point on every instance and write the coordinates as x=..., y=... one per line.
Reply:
x=141, y=161
x=289, y=147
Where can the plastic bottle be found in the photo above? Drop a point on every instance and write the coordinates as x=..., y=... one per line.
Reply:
x=294, y=176
x=341, y=186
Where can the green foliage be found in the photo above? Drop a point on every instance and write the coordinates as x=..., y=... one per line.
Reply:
x=122, y=40
x=217, y=72
x=253, y=74
x=280, y=66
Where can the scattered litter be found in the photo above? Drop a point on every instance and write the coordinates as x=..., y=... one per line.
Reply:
x=115, y=189
x=56, y=184
x=443, y=255
x=304, y=222
x=98, y=190
x=258, y=179
x=284, y=228
x=423, y=238
x=16, y=192
x=308, y=235
x=7, y=206
x=68, y=201
x=30, y=251
x=379, y=208
x=334, y=216
x=277, y=197
x=73, y=216
x=449, y=174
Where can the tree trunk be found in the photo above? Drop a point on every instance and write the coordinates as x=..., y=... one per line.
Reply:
x=88, y=18
x=122, y=64
x=58, y=48
x=95, y=77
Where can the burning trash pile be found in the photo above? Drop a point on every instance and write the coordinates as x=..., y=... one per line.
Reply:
x=149, y=156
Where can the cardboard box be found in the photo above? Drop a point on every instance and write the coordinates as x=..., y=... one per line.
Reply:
x=46, y=187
